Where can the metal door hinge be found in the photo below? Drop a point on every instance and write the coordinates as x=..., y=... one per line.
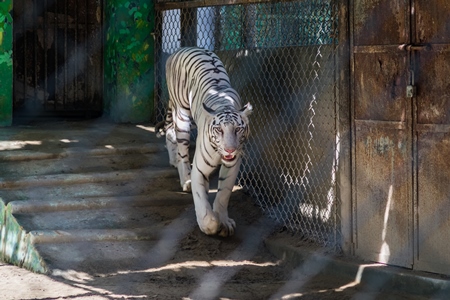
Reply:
x=415, y=47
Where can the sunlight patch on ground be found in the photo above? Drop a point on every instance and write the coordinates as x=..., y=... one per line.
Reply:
x=297, y=295
x=13, y=145
x=72, y=275
x=202, y=264
x=292, y=296
x=385, y=252
x=148, y=128
x=20, y=283
x=358, y=277
x=67, y=141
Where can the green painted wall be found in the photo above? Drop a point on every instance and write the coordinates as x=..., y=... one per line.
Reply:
x=6, y=63
x=129, y=66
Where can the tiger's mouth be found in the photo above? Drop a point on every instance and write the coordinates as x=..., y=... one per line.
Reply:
x=229, y=157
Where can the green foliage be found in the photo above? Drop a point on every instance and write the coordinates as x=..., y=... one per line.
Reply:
x=5, y=16
x=129, y=64
x=6, y=65
x=6, y=58
x=5, y=26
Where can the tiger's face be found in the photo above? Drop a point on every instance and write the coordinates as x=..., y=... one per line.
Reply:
x=228, y=132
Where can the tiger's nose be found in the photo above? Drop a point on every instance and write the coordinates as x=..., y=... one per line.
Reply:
x=230, y=150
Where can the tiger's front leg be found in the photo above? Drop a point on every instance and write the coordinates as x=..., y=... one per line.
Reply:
x=227, y=179
x=208, y=221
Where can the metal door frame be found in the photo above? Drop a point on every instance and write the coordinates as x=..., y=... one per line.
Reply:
x=406, y=123
x=413, y=48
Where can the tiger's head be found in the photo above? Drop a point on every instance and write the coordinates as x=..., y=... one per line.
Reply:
x=228, y=130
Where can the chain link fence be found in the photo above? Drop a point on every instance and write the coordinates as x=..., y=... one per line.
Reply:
x=281, y=57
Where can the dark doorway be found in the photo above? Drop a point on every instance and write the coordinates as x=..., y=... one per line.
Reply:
x=58, y=58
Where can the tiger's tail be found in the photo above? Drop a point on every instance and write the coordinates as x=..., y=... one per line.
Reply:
x=162, y=127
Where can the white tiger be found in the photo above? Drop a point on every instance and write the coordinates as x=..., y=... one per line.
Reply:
x=200, y=90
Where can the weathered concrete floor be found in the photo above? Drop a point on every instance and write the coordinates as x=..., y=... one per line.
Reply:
x=85, y=188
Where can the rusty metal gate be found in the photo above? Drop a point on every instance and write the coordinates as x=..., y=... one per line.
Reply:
x=58, y=57
x=282, y=57
x=401, y=63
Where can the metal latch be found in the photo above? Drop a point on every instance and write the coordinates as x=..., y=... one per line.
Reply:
x=411, y=88
x=410, y=91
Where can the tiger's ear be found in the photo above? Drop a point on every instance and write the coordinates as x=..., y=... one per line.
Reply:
x=247, y=109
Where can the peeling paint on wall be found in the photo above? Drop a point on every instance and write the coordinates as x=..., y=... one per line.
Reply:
x=129, y=62
x=6, y=66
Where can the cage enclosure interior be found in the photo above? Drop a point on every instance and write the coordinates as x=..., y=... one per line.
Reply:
x=281, y=57
x=58, y=57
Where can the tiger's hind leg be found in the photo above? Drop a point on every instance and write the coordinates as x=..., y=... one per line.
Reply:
x=167, y=128
x=183, y=135
x=172, y=146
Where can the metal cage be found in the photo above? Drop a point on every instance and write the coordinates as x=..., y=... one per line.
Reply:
x=281, y=57
x=58, y=57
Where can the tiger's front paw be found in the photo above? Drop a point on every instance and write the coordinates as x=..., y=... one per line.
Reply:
x=227, y=227
x=213, y=224
x=209, y=224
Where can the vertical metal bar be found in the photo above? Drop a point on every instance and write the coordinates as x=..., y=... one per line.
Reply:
x=249, y=26
x=412, y=57
x=157, y=36
x=55, y=17
x=86, y=53
x=217, y=28
x=14, y=48
x=340, y=38
x=66, y=56
x=76, y=67
x=354, y=215
x=188, y=20
x=102, y=50
x=25, y=69
x=45, y=33
x=35, y=57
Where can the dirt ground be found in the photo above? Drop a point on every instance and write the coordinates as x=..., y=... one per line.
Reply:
x=190, y=265
x=196, y=266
